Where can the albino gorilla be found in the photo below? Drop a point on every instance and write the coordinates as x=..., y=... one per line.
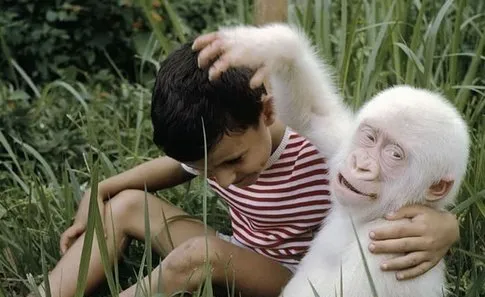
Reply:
x=405, y=146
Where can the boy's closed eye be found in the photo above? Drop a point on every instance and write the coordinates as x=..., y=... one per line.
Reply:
x=234, y=161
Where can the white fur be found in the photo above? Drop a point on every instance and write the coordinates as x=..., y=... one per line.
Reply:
x=335, y=250
x=307, y=101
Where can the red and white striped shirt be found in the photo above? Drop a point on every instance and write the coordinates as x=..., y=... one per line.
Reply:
x=277, y=215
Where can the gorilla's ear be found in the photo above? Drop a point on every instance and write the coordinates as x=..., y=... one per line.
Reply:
x=440, y=189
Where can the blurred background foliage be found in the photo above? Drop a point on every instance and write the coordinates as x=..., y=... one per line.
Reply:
x=53, y=38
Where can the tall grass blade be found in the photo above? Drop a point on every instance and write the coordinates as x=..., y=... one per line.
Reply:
x=141, y=289
x=455, y=43
x=115, y=263
x=71, y=90
x=411, y=56
x=148, y=240
x=8, y=56
x=415, y=43
x=107, y=164
x=430, y=43
x=208, y=279
x=322, y=17
x=17, y=178
x=139, y=120
x=343, y=50
x=75, y=186
x=364, y=260
x=148, y=52
x=243, y=12
x=27, y=78
x=464, y=93
x=176, y=21
x=315, y=293
x=149, y=14
x=88, y=236
x=46, y=168
x=468, y=202
x=11, y=154
x=308, y=17
x=101, y=239
x=67, y=195
x=45, y=273
x=473, y=255
x=476, y=288
x=113, y=64
x=370, y=72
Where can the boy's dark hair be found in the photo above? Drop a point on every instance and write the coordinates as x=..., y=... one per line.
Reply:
x=183, y=96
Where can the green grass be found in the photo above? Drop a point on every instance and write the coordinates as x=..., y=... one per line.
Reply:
x=57, y=138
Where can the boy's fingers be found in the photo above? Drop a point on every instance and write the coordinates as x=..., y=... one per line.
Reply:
x=398, y=231
x=203, y=40
x=209, y=53
x=405, y=245
x=258, y=78
x=404, y=262
x=415, y=271
x=68, y=235
x=65, y=238
x=63, y=245
x=408, y=212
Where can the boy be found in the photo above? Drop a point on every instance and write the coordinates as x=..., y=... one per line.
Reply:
x=274, y=181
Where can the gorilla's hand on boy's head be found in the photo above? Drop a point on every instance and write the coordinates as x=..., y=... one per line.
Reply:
x=220, y=51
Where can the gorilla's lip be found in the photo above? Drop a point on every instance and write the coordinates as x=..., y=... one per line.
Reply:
x=349, y=186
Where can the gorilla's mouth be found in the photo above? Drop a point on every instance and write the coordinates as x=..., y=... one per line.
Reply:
x=349, y=186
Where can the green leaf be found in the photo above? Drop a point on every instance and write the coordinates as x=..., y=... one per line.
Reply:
x=19, y=95
x=51, y=16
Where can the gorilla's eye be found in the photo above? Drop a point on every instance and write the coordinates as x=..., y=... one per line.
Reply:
x=395, y=152
x=369, y=135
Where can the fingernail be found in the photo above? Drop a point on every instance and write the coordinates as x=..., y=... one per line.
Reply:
x=390, y=214
x=372, y=247
x=372, y=235
x=211, y=74
x=384, y=266
x=399, y=276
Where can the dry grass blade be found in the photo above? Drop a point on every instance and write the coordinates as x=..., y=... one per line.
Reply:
x=364, y=260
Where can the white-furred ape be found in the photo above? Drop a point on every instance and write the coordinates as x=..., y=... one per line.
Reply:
x=408, y=146
x=405, y=146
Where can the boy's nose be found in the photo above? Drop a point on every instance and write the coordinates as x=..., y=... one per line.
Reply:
x=225, y=178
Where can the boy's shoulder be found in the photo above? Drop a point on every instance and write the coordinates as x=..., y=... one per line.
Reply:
x=295, y=150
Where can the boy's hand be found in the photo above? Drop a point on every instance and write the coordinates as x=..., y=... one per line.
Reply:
x=425, y=239
x=80, y=222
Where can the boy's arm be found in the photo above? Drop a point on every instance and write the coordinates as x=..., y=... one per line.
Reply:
x=305, y=96
x=159, y=173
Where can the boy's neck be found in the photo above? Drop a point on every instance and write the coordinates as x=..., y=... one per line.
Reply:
x=277, y=130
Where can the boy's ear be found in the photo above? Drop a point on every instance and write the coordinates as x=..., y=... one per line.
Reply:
x=268, y=111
